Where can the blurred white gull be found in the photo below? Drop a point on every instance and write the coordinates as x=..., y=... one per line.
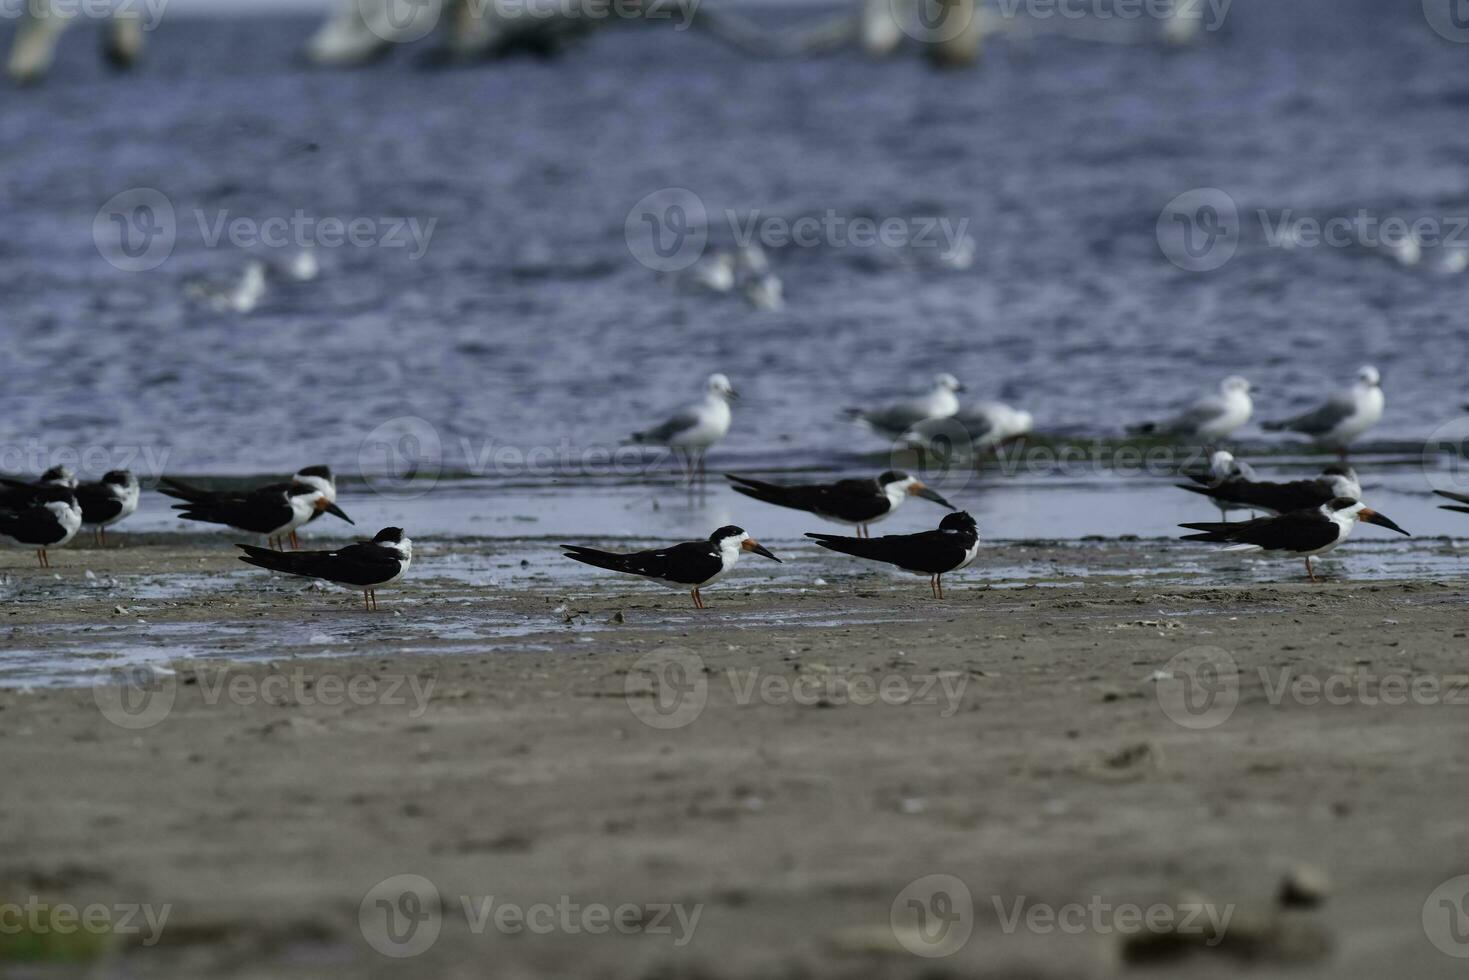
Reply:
x=896, y=418
x=1344, y=416
x=1211, y=417
x=983, y=426
x=240, y=295
x=715, y=273
x=695, y=428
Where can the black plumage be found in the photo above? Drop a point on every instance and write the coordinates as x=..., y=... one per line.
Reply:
x=367, y=565
x=694, y=563
x=855, y=501
x=954, y=545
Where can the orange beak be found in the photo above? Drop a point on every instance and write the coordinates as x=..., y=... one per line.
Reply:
x=750, y=544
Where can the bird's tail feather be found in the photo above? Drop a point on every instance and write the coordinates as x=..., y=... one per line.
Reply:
x=876, y=549
x=599, y=559
x=275, y=561
x=180, y=490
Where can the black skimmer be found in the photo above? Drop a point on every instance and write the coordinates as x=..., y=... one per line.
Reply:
x=859, y=502
x=49, y=519
x=107, y=501
x=986, y=426
x=319, y=477
x=691, y=565
x=273, y=511
x=1211, y=418
x=1344, y=417
x=16, y=493
x=1461, y=498
x=1279, y=498
x=367, y=565
x=953, y=546
x=1302, y=533
x=898, y=417
x=694, y=429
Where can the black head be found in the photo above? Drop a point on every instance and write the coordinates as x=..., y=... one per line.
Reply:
x=118, y=478
x=728, y=531
x=324, y=472
x=389, y=535
x=1336, y=469
x=892, y=476
x=960, y=521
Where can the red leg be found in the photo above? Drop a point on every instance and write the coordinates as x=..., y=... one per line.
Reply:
x=940, y=580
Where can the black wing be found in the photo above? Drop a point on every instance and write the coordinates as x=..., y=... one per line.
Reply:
x=261, y=512
x=850, y=500
x=689, y=564
x=1279, y=497
x=929, y=552
x=34, y=526
x=1303, y=530
x=99, y=504
x=1460, y=497
x=363, y=564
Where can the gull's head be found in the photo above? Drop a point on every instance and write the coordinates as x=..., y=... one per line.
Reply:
x=59, y=476
x=720, y=387
x=736, y=539
x=959, y=521
x=1235, y=385
x=896, y=481
x=1369, y=378
x=947, y=382
x=393, y=537
x=1356, y=510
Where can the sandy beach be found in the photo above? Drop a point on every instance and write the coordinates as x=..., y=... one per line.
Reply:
x=762, y=789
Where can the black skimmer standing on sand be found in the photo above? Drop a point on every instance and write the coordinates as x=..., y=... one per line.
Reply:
x=953, y=546
x=691, y=565
x=896, y=418
x=859, y=502
x=367, y=565
x=1211, y=418
x=107, y=501
x=318, y=477
x=273, y=511
x=696, y=428
x=49, y=519
x=1279, y=498
x=1344, y=417
x=16, y=494
x=1302, y=533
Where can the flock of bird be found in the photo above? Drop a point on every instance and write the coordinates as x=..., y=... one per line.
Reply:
x=1304, y=518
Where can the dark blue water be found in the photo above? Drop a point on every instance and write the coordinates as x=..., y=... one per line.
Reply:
x=527, y=323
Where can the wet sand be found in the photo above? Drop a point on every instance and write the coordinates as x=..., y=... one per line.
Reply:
x=743, y=792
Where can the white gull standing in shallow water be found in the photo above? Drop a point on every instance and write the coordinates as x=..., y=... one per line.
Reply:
x=896, y=418
x=1344, y=416
x=697, y=427
x=986, y=426
x=1211, y=418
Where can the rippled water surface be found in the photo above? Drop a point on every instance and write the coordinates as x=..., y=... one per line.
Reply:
x=527, y=322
